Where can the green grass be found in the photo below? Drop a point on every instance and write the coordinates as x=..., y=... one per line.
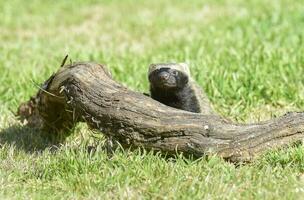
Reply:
x=247, y=55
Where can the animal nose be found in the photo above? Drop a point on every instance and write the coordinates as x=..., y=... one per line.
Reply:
x=164, y=76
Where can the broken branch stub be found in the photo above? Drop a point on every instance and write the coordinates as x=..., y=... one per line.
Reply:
x=87, y=92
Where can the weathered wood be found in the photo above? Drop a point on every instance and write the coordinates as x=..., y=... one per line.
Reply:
x=86, y=92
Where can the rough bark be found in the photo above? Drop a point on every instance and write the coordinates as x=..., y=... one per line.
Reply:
x=86, y=92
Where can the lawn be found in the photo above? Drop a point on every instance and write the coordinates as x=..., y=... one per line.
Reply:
x=247, y=55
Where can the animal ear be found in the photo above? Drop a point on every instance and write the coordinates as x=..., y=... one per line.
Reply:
x=185, y=68
x=152, y=67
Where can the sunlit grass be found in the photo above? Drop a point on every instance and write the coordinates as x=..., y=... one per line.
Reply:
x=247, y=55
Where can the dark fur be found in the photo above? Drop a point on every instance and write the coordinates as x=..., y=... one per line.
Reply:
x=174, y=91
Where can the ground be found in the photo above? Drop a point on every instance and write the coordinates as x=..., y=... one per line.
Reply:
x=247, y=55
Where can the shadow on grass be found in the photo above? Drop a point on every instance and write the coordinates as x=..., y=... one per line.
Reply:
x=27, y=138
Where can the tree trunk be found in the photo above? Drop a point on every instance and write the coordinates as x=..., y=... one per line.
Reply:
x=86, y=92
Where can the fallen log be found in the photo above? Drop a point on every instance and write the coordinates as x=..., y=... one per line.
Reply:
x=86, y=92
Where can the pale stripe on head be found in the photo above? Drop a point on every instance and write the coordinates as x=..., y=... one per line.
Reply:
x=183, y=67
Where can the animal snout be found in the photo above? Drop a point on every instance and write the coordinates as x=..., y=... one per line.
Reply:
x=163, y=76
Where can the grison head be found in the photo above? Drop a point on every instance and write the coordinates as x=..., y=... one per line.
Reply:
x=167, y=76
